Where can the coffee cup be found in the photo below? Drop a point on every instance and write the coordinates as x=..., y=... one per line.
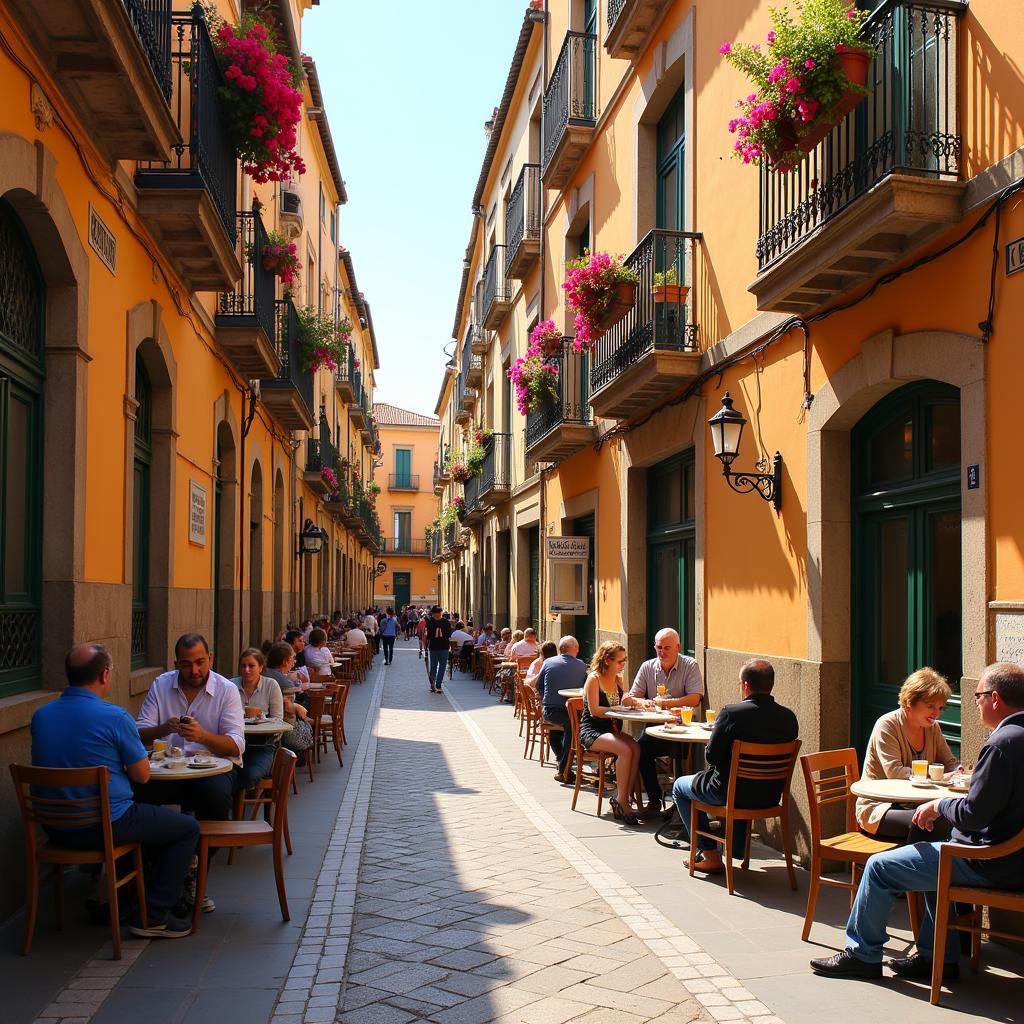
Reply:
x=936, y=771
x=253, y=712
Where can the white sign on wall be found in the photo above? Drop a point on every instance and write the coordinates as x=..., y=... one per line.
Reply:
x=196, y=513
x=1010, y=637
x=568, y=567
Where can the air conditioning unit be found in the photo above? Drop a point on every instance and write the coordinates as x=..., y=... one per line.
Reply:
x=291, y=210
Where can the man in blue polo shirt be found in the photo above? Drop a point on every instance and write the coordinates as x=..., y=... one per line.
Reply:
x=82, y=730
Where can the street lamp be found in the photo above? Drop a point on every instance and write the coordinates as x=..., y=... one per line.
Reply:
x=311, y=538
x=726, y=430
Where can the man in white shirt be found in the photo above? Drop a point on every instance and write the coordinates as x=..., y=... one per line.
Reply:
x=371, y=627
x=527, y=647
x=355, y=637
x=318, y=658
x=460, y=636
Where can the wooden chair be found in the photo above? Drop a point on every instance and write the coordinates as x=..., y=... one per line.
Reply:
x=531, y=717
x=329, y=733
x=263, y=797
x=828, y=776
x=580, y=756
x=947, y=892
x=315, y=714
x=763, y=762
x=546, y=729
x=81, y=812
x=251, y=833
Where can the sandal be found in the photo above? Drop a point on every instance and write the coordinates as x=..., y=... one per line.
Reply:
x=620, y=814
x=699, y=865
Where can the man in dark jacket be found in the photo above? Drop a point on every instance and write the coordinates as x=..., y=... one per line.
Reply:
x=439, y=631
x=755, y=719
x=991, y=813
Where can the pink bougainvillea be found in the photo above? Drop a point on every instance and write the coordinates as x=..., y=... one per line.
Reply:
x=546, y=338
x=262, y=99
x=330, y=479
x=590, y=284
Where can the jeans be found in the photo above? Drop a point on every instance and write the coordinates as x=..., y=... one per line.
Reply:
x=168, y=839
x=256, y=764
x=561, y=742
x=208, y=799
x=906, y=869
x=375, y=640
x=389, y=648
x=437, y=662
x=650, y=748
x=683, y=795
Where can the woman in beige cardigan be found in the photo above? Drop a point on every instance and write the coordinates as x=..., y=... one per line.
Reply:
x=910, y=733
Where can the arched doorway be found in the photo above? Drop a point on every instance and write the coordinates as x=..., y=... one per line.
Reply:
x=256, y=556
x=907, y=604
x=225, y=520
x=22, y=301
x=142, y=459
x=279, y=558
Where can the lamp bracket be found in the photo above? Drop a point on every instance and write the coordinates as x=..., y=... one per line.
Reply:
x=768, y=485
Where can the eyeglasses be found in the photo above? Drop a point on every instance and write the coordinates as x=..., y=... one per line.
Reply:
x=981, y=693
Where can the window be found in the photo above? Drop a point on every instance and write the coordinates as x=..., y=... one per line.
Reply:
x=334, y=226
x=403, y=532
x=323, y=205
x=671, y=144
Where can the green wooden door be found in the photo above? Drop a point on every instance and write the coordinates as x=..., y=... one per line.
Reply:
x=534, y=607
x=906, y=551
x=403, y=467
x=585, y=626
x=671, y=550
x=671, y=145
x=401, y=586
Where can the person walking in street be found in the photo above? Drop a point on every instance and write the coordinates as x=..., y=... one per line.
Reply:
x=439, y=631
x=388, y=632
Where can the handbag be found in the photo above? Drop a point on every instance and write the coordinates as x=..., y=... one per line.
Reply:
x=300, y=738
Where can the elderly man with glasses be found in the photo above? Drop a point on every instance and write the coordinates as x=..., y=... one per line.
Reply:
x=990, y=813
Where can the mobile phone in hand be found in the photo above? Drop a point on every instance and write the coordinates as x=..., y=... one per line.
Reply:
x=184, y=720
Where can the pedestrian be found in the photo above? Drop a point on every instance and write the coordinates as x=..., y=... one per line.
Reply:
x=388, y=632
x=439, y=632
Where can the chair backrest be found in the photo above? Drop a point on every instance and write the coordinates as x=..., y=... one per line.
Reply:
x=525, y=660
x=53, y=811
x=574, y=707
x=281, y=774
x=317, y=699
x=762, y=762
x=828, y=776
x=531, y=699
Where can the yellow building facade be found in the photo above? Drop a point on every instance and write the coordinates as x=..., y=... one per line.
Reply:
x=859, y=310
x=163, y=443
x=406, y=463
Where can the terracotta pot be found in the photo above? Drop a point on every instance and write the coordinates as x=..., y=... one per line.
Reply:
x=623, y=300
x=675, y=293
x=271, y=263
x=551, y=348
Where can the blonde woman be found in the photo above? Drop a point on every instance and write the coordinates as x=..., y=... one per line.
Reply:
x=910, y=733
x=603, y=690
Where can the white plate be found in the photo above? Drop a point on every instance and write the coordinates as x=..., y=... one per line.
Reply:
x=923, y=784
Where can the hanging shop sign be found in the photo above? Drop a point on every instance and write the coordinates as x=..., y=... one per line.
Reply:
x=1014, y=256
x=196, y=513
x=568, y=561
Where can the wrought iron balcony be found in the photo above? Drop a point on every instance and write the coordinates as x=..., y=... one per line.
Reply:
x=438, y=482
x=884, y=180
x=320, y=455
x=630, y=26
x=442, y=476
x=289, y=395
x=403, y=481
x=112, y=60
x=496, y=475
x=523, y=223
x=472, y=366
x=368, y=525
x=436, y=545
x=479, y=339
x=189, y=199
x=404, y=546
x=344, y=377
x=497, y=293
x=358, y=409
x=473, y=511
x=465, y=399
x=245, y=315
x=569, y=115
x=654, y=349
x=451, y=539
x=564, y=424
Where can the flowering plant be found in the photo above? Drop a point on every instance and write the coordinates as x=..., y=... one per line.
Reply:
x=800, y=79
x=261, y=95
x=450, y=513
x=547, y=338
x=458, y=469
x=591, y=290
x=534, y=380
x=330, y=479
x=281, y=257
x=373, y=488
x=321, y=341
x=475, y=455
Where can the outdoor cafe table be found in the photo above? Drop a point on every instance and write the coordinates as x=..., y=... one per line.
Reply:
x=267, y=727
x=637, y=718
x=163, y=770
x=902, y=791
x=694, y=733
x=569, y=694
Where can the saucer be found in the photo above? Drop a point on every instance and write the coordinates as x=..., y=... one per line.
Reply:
x=923, y=784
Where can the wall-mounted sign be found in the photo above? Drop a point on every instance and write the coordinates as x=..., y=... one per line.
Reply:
x=973, y=476
x=568, y=567
x=1014, y=256
x=1010, y=637
x=196, y=513
x=103, y=240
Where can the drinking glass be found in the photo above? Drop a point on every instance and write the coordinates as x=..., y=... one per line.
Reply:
x=920, y=769
x=687, y=716
x=709, y=716
x=662, y=689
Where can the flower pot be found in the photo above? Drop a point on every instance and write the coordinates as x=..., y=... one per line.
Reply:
x=551, y=348
x=272, y=264
x=675, y=293
x=623, y=299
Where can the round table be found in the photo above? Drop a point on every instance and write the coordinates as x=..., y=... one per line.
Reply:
x=162, y=770
x=902, y=791
x=569, y=694
x=267, y=727
x=684, y=734
x=637, y=718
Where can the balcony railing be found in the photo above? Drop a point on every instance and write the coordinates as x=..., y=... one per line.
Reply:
x=473, y=508
x=909, y=124
x=207, y=158
x=522, y=222
x=451, y=536
x=403, y=481
x=496, y=474
x=151, y=20
x=631, y=24
x=497, y=294
x=567, y=411
x=436, y=545
x=289, y=395
x=344, y=377
x=570, y=103
x=404, y=546
x=245, y=315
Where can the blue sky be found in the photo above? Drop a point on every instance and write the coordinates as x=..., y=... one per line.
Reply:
x=408, y=86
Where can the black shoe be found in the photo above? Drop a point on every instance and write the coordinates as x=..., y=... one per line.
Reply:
x=919, y=967
x=845, y=965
